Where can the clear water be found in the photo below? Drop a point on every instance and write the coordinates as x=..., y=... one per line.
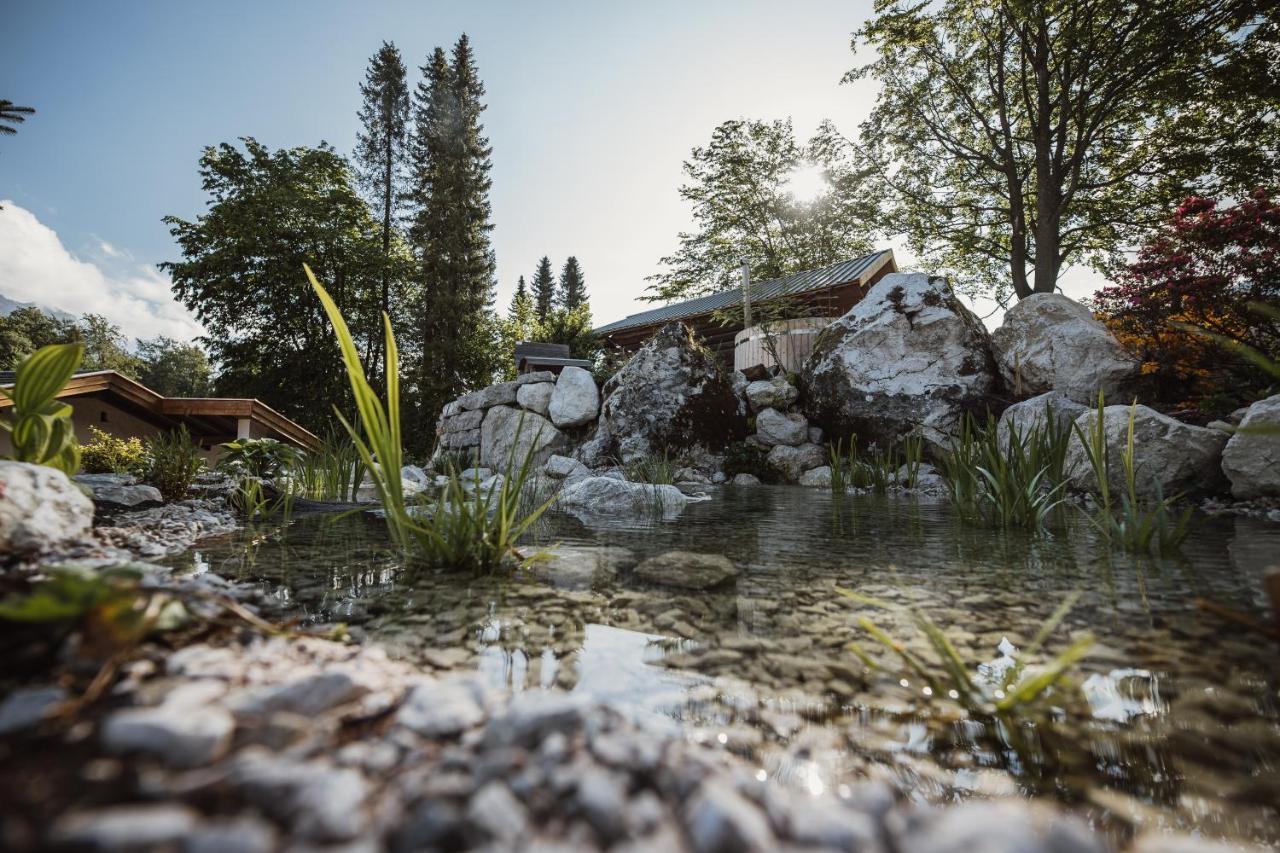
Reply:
x=1173, y=720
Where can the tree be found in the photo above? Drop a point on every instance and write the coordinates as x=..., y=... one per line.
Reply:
x=241, y=273
x=573, y=287
x=450, y=236
x=744, y=209
x=521, y=304
x=1207, y=268
x=571, y=326
x=11, y=114
x=1013, y=138
x=174, y=368
x=105, y=348
x=544, y=289
x=381, y=152
x=26, y=330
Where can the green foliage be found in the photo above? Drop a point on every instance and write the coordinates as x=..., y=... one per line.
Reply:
x=106, y=454
x=475, y=532
x=949, y=676
x=744, y=209
x=105, y=348
x=743, y=458
x=330, y=473
x=40, y=428
x=253, y=499
x=175, y=462
x=1015, y=480
x=544, y=289
x=656, y=468
x=573, y=285
x=452, y=460
x=175, y=369
x=11, y=114
x=875, y=467
x=264, y=458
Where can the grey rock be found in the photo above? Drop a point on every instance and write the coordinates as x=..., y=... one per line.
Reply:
x=463, y=421
x=309, y=695
x=321, y=802
x=718, y=477
x=775, y=393
x=533, y=715
x=1000, y=827
x=575, y=400
x=774, y=427
x=691, y=475
x=687, y=570
x=40, y=508
x=27, y=706
x=1049, y=342
x=815, y=435
x=416, y=475
x=119, y=490
x=496, y=812
x=125, y=827
x=908, y=357
x=792, y=462
x=530, y=435
x=502, y=394
x=1251, y=458
x=442, y=708
x=565, y=468
x=435, y=824
x=819, y=478
x=744, y=480
x=474, y=475
x=720, y=820
x=181, y=735
x=579, y=567
x=535, y=377
x=234, y=835
x=602, y=797
x=606, y=497
x=1029, y=414
x=536, y=397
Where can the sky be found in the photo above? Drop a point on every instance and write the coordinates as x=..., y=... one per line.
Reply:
x=592, y=108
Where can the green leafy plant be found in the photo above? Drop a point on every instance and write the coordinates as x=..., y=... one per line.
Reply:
x=476, y=531
x=40, y=429
x=106, y=454
x=1017, y=688
x=175, y=462
x=265, y=458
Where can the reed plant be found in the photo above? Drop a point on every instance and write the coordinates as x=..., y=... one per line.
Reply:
x=475, y=532
x=876, y=468
x=656, y=468
x=332, y=472
x=174, y=463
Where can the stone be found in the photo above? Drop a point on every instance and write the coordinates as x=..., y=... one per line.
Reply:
x=233, y=835
x=1029, y=414
x=180, y=735
x=565, y=468
x=1170, y=457
x=720, y=820
x=1049, y=342
x=309, y=695
x=40, y=508
x=792, y=462
x=506, y=428
x=999, y=827
x=744, y=480
x=125, y=827
x=114, y=491
x=463, y=421
x=775, y=393
x=602, y=797
x=442, y=708
x=575, y=400
x=320, y=801
x=496, y=812
x=774, y=427
x=819, y=478
x=691, y=475
x=603, y=497
x=536, y=397
x=534, y=715
x=1251, y=458
x=416, y=475
x=908, y=357
x=815, y=435
x=535, y=377
x=502, y=394
x=671, y=395
x=687, y=570
x=579, y=567
x=27, y=706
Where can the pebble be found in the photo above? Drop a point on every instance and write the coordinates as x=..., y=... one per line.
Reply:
x=25, y=707
x=720, y=820
x=309, y=696
x=498, y=814
x=182, y=736
x=441, y=708
x=125, y=827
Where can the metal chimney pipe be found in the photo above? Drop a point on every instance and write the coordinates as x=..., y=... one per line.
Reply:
x=746, y=294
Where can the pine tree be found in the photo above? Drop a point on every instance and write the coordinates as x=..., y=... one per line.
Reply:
x=544, y=289
x=573, y=287
x=380, y=156
x=521, y=305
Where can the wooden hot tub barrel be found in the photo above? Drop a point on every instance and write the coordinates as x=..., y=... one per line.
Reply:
x=795, y=340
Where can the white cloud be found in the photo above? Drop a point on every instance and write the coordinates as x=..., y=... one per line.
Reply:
x=36, y=267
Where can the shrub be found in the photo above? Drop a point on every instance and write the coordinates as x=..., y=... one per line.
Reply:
x=175, y=462
x=106, y=454
x=743, y=458
x=264, y=458
x=41, y=430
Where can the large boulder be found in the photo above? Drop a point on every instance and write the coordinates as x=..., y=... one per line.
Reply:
x=610, y=498
x=774, y=427
x=775, y=393
x=1251, y=458
x=119, y=491
x=909, y=357
x=671, y=396
x=40, y=508
x=1049, y=342
x=1029, y=414
x=792, y=462
x=1170, y=457
x=575, y=400
x=505, y=427
x=536, y=396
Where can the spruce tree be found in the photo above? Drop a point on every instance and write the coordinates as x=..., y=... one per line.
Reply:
x=573, y=287
x=380, y=156
x=544, y=289
x=520, y=302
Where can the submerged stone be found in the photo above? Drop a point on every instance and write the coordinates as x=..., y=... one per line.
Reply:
x=687, y=570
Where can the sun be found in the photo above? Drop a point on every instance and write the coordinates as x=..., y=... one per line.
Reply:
x=807, y=183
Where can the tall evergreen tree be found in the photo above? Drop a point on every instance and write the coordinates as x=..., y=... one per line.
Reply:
x=544, y=289
x=450, y=235
x=380, y=156
x=520, y=302
x=573, y=287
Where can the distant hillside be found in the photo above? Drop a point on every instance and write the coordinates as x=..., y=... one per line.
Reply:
x=8, y=306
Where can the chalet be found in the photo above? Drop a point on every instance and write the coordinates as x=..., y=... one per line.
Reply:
x=824, y=294
x=125, y=408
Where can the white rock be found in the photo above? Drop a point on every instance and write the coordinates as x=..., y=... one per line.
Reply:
x=744, y=480
x=182, y=736
x=720, y=820
x=817, y=477
x=417, y=476
x=774, y=427
x=1170, y=457
x=565, y=468
x=40, y=508
x=125, y=827
x=308, y=695
x=775, y=393
x=442, y=708
x=119, y=490
x=1049, y=342
x=1251, y=458
x=536, y=397
x=791, y=462
x=506, y=428
x=319, y=800
x=815, y=435
x=496, y=811
x=602, y=497
x=575, y=400
x=1025, y=416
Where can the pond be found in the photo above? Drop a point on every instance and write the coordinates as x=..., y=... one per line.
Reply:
x=1173, y=720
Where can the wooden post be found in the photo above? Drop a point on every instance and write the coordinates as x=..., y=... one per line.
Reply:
x=746, y=295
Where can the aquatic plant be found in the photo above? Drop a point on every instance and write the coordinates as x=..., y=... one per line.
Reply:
x=1010, y=479
x=252, y=497
x=265, y=458
x=656, y=468
x=877, y=468
x=476, y=531
x=41, y=430
x=457, y=460
x=331, y=472
x=106, y=454
x=174, y=463
x=1016, y=688
x=1129, y=523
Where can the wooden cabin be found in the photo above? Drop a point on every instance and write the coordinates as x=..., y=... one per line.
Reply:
x=828, y=293
x=534, y=357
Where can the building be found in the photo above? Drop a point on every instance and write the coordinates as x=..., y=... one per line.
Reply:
x=533, y=357
x=125, y=408
x=825, y=294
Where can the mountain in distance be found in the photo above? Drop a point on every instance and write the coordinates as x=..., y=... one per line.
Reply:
x=8, y=306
